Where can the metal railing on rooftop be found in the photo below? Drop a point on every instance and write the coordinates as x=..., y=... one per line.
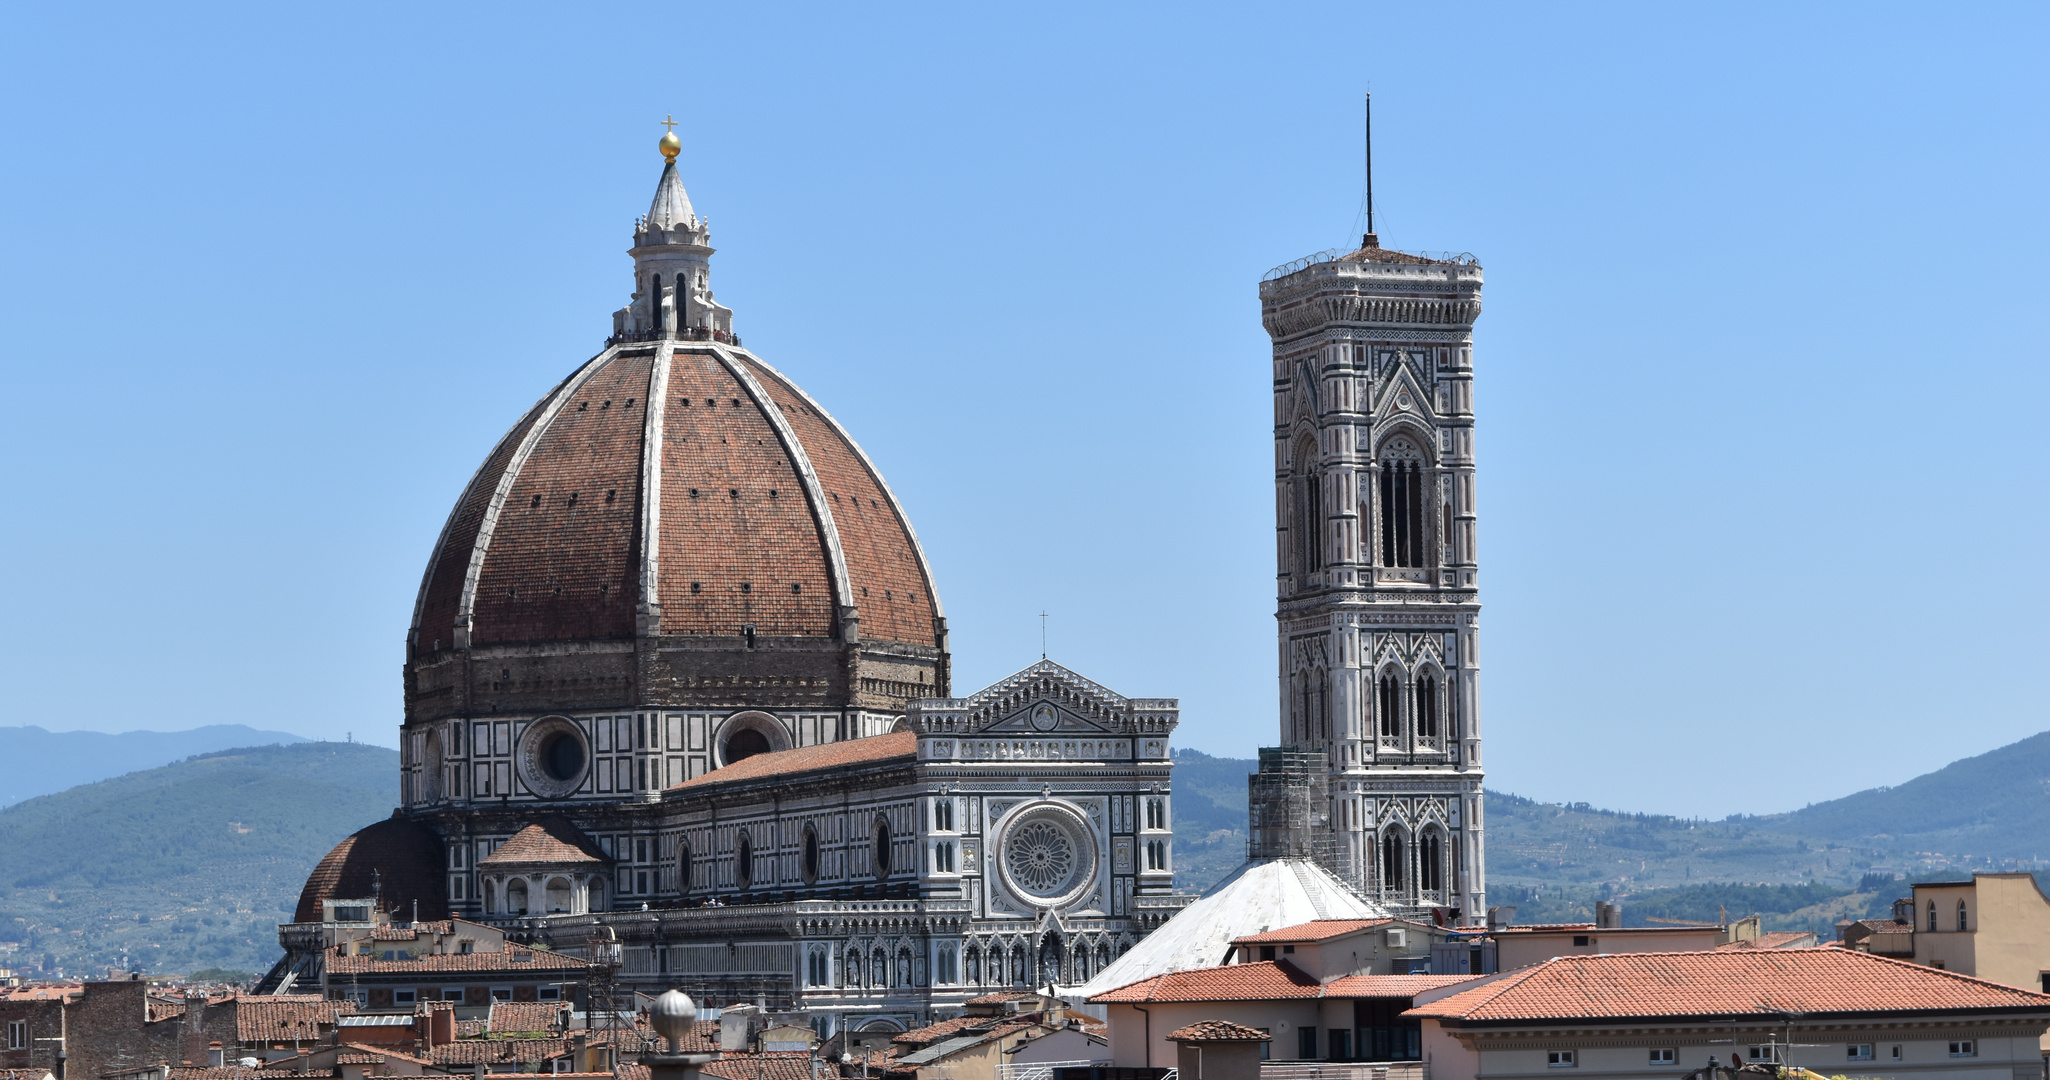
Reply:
x=1459, y=258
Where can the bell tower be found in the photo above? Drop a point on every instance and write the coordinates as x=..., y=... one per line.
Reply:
x=1375, y=574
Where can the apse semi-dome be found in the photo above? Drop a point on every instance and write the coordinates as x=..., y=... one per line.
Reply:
x=674, y=524
x=396, y=861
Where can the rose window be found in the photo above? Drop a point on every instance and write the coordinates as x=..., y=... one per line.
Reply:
x=1047, y=855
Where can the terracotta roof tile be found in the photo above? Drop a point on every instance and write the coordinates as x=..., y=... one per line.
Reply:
x=875, y=536
x=1385, y=986
x=492, y=1051
x=780, y=1065
x=932, y=1033
x=524, y=1016
x=286, y=1018
x=514, y=958
x=833, y=755
x=1266, y=981
x=561, y=562
x=552, y=841
x=1217, y=1031
x=1314, y=930
x=1762, y=982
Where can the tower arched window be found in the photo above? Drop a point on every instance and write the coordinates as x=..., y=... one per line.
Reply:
x=1309, y=516
x=1392, y=863
x=1388, y=702
x=1402, y=504
x=1932, y=916
x=1427, y=707
x=1961, y=917
x=1430, y=866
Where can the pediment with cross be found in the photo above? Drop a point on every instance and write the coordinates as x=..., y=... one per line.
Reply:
x=1046, y=699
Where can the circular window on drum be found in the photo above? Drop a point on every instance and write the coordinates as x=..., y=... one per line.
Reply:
x=553, y=757
x=1048, y=855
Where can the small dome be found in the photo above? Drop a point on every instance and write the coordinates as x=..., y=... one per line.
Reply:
x=396, y=860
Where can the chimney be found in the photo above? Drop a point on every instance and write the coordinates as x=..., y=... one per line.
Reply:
x=1500, y=917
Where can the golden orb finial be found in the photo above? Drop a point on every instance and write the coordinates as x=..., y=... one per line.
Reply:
x=670, y=144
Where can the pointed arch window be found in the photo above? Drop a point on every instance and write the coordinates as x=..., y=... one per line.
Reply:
x=1402, y=504
x=1427, y=707
x=1388, y=702
x=1391, y=863
x=1309, y=516
x=1961, y=925
x=1932, y=916
x=1430, y=864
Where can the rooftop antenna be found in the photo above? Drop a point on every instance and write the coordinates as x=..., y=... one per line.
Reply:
x=1370, y=240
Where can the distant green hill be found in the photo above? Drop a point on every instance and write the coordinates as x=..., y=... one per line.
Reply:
x=66, y=759
x=186, y=866
x=1995, y=805
x=1801, y=870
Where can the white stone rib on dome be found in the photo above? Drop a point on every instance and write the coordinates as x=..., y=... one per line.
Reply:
x=1259, y=896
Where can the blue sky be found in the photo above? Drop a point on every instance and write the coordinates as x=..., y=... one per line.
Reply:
x=1762, y=473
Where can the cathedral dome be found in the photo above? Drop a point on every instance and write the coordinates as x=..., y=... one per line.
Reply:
x=675, y=523
x=694, y=494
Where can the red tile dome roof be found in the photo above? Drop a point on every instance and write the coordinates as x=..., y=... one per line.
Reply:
x=739, y=510
x=396, y=860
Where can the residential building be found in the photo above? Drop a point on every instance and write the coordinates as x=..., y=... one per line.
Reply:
x=1325, y=949
x=1346, y=1018
x=1834, y=1011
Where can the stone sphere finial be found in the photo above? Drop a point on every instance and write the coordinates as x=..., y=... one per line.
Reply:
x=672, y=1015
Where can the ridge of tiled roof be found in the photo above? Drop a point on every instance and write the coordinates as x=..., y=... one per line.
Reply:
x=1764, y=982
x=1314, y=930
x=1217, y=1031
x=1364, y=986
x=553, y=841
x=832, y=755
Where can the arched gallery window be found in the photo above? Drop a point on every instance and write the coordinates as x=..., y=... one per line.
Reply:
x=1430, y=864
x=1388, y=701
x=1426, y=707
x=1391, y=862
x=1402, y=504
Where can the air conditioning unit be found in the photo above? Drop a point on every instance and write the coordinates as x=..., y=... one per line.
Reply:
x=1398, y=937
